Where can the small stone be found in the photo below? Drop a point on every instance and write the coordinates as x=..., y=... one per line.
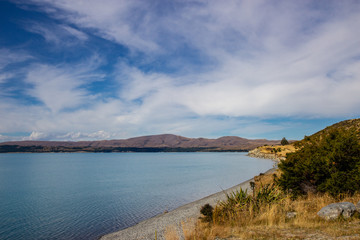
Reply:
x=290, y=215
x=334, y=210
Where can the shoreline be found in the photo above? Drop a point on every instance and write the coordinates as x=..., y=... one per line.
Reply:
x=188, y=213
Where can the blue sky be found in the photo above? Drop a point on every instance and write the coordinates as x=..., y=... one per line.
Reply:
x=110, y=69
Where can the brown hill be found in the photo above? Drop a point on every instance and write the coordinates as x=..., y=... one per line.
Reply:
x=154, y=142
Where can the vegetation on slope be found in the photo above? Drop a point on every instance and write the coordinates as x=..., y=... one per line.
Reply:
x=347, y=125
x=280, y=151
x=269, y=213
x=272, y=221
x=327, y=164
x=324, y=169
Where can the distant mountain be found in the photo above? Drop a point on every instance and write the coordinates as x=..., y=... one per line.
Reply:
x=154, y=143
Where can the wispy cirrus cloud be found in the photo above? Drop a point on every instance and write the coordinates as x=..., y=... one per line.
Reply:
x=202, y=68
x=9, y=56
x=57, y=34
x=119, y=21
x=63, y=87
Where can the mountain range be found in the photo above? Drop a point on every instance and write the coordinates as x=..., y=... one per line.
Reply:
x=153, y=143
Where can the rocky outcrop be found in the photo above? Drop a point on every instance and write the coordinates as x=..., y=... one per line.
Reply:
x=335, y=210
x=257, y=153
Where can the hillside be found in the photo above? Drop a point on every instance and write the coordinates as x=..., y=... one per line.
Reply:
x=153, y=143
x=343, y=125
x=281, y=151
x=300, y=200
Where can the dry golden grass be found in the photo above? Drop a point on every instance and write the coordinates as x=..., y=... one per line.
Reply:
x=264, y=179
x=270, y=221
x=281, y=150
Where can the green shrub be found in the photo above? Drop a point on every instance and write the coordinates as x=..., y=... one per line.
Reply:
x=237, y=199
x=242, y=201
x=329, y=163
x=207, y=211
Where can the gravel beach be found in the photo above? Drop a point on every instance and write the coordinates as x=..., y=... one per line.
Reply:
x=188, y=214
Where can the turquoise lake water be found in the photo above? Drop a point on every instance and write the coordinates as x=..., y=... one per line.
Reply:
x=87, y=195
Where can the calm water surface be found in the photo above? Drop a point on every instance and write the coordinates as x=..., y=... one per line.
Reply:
x=87, y=195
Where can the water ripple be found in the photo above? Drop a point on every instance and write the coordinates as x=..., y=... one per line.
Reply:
x=84, y=196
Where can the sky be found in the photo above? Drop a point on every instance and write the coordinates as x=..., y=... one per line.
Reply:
x=115, y=69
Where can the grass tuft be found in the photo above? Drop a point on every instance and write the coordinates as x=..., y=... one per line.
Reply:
x=262, y=215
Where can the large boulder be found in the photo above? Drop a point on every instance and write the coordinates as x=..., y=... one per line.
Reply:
x=334, y=210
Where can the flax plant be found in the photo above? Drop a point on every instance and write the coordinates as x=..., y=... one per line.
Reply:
x=263, y=216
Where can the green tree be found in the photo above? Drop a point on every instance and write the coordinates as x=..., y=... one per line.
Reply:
x=284, y=141
x=329, y=163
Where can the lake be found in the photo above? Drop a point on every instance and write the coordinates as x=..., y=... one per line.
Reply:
x=87, y=195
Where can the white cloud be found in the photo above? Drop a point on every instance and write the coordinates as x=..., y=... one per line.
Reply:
x=57, y=34
x=268, y=59
x=55, y=88
x=114, y=20
x=9, y=56
x=5, y=76
x=74, y=32
x=136, y=84
x=71, y=136
x=16, y=117
x=268, y=54
x=62, y=87
x=37, y=136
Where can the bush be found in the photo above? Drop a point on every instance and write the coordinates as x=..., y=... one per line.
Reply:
x=207, y=211
x=329, y=163
x=241, y=201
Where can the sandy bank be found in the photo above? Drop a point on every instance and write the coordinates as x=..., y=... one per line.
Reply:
x=187, y=213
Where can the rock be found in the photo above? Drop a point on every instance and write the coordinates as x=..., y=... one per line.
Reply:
x=334, y=210
x=349, y=209
x=290, y=215
x=256, y=153
x=358, y=206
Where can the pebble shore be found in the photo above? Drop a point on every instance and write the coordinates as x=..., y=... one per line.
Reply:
x=154, y=228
